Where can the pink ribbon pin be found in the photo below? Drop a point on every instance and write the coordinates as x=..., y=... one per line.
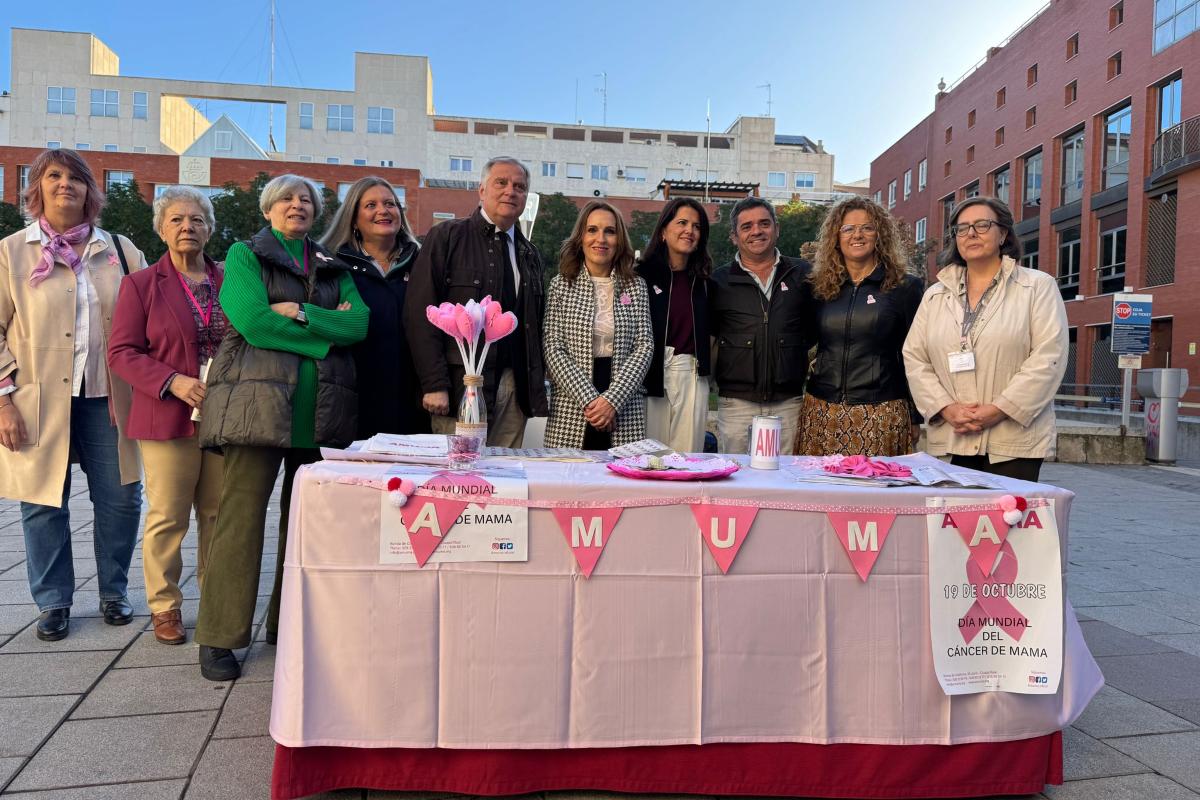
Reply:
x=625, y=299
x=990, y=607
x=113, y=260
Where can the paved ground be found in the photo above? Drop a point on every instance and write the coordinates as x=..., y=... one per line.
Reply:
x=109, y=714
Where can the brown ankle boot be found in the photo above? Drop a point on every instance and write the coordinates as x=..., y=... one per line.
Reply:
x=168, y=627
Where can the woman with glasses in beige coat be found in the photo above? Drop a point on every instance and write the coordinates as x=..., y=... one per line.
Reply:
x=987, y=350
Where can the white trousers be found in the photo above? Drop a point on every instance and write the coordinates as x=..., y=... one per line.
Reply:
x=679, y=418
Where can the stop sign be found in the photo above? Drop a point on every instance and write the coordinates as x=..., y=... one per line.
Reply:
x=1123, y=310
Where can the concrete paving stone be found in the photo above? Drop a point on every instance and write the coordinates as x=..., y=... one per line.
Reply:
x=86, y=603
x=118, y=750
x=1107, y=640
x=15, y=592
x=9, y=767
x=26, y=721
x=247, y=711
x=26, y=674
x=146, y=651
x=1114, y=713
x=145, y=790
x=86, y=633
x=1187, y=642
x=1085, y=757
x=1107, y=581
x=1140, y=620
x=12, y=542
x=1126, y=787
x=13, y=618
x=1154, y=677
x=1083, y=597
x=151, y=690
x=1171, y=754
x=10, y=559
x=1184, y=709
x=259, y=664
x=234, y=768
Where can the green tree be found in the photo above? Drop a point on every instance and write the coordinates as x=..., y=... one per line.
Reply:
x=799, y=222
x=329, y=208
x=720, y=247
x=555, y=219
x=11, y=220
x=238, y=215
x=641, y=228
x=126, y=213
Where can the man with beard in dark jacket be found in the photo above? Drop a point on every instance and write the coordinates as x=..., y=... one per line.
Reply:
x=466, y=259
x=759, y=309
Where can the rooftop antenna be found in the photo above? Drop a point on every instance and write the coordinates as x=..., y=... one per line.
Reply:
x=578, y=120
x=766, y=86
x=271, y=82
x=707, y=144
x=603, y=90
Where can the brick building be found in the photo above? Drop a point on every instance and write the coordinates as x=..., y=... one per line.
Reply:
x=1086, y=121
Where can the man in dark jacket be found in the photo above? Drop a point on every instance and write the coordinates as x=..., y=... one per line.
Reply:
x=466, y=259
x=759, y=311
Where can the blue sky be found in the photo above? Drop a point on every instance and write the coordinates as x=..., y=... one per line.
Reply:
x=856, y=74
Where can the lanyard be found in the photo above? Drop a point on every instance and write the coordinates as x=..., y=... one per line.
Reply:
x=969, y=316
x=205, y=314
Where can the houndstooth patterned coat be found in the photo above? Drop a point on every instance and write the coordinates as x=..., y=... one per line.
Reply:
x=570, y=316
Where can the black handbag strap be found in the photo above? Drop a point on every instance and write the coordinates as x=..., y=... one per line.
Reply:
x=120, y=254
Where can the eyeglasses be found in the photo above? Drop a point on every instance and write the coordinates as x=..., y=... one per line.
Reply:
x=866, y=230
x=981, y=227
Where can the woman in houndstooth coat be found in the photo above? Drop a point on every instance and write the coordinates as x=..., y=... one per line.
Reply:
x=598, y=340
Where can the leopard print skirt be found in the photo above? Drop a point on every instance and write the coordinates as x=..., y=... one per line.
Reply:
x=871, y=429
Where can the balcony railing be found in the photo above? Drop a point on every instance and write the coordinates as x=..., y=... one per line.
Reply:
x=1175, y=143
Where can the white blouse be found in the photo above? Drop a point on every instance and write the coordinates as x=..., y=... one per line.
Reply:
x=602, y=330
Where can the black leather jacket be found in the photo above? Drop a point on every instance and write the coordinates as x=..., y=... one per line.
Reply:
x=657, y=276
x=859, y=337
x=762, y=353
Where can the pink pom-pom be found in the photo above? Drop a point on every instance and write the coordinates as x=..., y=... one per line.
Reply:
x=1007, y=502
x=407, y=486
x=1013, y=517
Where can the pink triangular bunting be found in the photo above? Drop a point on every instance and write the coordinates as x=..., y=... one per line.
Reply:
x=724, y=528
x=987, y=528
x=862, y=536
x=586, y=531
x=429, y=519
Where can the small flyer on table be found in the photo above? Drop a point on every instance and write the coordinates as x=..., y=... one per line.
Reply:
x=995, y=599
x=466, y=528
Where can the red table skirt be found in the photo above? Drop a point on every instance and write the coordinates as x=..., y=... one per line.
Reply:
x=1019, y=767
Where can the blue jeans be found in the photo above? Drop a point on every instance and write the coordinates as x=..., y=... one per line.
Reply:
x=117, y=511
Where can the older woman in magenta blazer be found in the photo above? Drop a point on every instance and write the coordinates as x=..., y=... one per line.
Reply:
x=167, y=325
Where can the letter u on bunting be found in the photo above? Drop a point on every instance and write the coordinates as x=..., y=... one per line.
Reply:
x=724, y=528
x=587, y=531
x=862, y=536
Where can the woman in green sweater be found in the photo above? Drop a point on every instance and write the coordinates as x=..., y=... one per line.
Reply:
x=280, y=386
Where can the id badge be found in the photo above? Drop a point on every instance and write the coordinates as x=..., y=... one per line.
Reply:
x=962, y=361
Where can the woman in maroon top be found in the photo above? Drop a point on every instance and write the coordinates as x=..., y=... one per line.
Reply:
x=167, y=325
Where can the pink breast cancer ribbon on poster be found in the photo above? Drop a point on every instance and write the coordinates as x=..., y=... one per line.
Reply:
x=983, y=532
x=990, y=605
x=586, y=531
x=862, y=536
x=428, y=519
x=724, y=529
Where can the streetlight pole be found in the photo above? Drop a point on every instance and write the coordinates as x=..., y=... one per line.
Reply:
x=604, y=95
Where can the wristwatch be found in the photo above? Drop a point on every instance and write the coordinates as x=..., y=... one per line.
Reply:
x=301, y=317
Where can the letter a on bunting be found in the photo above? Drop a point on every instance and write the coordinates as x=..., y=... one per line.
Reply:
x=724, y=528
x=862, y=537
x=587, y=531
x=428, y=519
x=984, y=533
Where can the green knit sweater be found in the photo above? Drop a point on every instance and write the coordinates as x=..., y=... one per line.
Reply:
x=244, y=301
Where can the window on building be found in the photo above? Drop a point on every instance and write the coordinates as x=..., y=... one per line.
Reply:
x=971, y=190
x=1001, y=184
x=1173, y=20
x=386, y=162
x=104, y=102
x=53, y=145
x=360, y=162
x=635, y=174
x=1072, y=46
x=907, y=183
x=306, y=116
x=1112, y=260
x=140, y=105
x=1072, y=167
x=401, y=194
x=339, y=117
x=949, y=134
x=110, y=148
x=442, y=216
x=1170, y=104
x=1001, y=96
x=1070, y=93
x=1116, y=15
x=1068, y=263
x=892, y=194
x=1032, y=185
x=919, y=230
x=22, y=183
x=599, y=172
x=709, y=176
x=805, y=180
x=947, y=211
x=1, y=183
x=381, y=119
x=60, y=100
x=1031, y=75
x=877, y=197
x=922, y=175
x=113, y=177
x=343, y=190
x=971, y=119
x=575, y=171
x=305, y=159
x=1030, y=117
x=461, y=164
x=776, y=180
x=223, y=140
x=947, y=168
x=139, y=148
x=999, y=136
x=971, y=154
x=1117, y=127
x=549, y=169
x=1114, y=65
x=83, y=146
x=1029, y=254
x=332, y=160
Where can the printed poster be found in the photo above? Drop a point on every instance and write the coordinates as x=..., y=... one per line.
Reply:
x=995, y=600
x=475, y=531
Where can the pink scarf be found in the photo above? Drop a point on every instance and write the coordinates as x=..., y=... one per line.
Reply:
x=60, y=247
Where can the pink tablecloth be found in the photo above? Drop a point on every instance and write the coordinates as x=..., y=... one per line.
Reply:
x=657, y=648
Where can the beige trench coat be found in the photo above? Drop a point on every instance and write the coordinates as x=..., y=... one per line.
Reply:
x=1020, y=346
x=36, y=347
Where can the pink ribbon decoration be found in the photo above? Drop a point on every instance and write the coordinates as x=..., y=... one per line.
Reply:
x=983, y=532
x=428, y=523
x=868, y=467
x=862, y=537
x=587, y=531
x=724, y=529
x=990, y=606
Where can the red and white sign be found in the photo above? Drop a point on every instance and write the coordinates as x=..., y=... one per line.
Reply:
x=1123, y=310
